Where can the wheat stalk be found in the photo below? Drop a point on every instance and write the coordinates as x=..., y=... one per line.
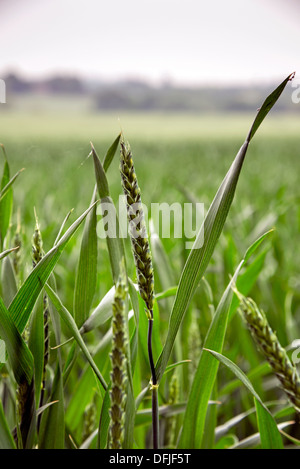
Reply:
x=89, y=420
x=37, y=255
x=26, y=412
x=118, y=363
x=137, y=227
x=271, y=348
x=143, y=261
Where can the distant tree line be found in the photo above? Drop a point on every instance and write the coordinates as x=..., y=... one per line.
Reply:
x=139, y=95
x=56, y=84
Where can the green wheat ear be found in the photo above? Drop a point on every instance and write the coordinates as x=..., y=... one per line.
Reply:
x=137, y=227
x=118, y=363
x=37, y=255
x=271, y=348
x=143, y=263
x=37, y=243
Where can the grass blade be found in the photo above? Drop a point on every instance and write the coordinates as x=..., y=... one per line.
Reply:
x=199, y=257
x=255, y=245
x=19, y=354
x=8, y=281
x=7, y=187
x=52, y=431
x=111, y=153
x=101, y=313
x=104, y=421
x=68, y=319
x=22, y=304
x=194, y=418
x=267, y=105
x=270, y=436
x=207, y=370
x=62, y=227
x=36, y=343
x=8, y=251
x=238, y=373
x=85, y=284
x=114, y=243
x=247, y=279
x=6, y=439
x=6, y=202
x=21, y=362
x=253, y=440
x=208, y=236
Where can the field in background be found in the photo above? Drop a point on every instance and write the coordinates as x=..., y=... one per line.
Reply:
x=75, y=121
x=178, y=157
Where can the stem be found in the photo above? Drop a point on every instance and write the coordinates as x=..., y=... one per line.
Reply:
x=27, y=414
x=154, y=388
x=155, y=417
x=46, y=358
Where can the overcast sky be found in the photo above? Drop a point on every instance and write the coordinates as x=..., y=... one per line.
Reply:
x=186, y=41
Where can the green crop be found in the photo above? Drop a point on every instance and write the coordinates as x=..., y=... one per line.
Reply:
x=115, y=342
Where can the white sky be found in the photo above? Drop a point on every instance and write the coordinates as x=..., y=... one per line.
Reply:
x=187, y=41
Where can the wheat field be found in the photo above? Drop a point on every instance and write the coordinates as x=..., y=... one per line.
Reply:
x=79, y=322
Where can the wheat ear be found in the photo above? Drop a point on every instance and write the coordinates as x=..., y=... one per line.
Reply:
x=37, y=255
x=143, y=261
x=118, y=363
x=137, y=227
x=271, y=348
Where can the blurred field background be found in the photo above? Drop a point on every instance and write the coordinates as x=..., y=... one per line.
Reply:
x=180, y=156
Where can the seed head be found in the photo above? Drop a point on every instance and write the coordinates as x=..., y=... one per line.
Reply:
x=137, y=227
x=37, y=244
x=118, y=363
x=271, y=348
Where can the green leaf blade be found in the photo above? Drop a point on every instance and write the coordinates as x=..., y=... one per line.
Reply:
x=6, y=439
x=194, y=418
x=200, y=256
x=209, y=234
x=267, y=106
x=114, y=242
x=238, y=373
x=19, y=354
x=5, y=203
x=86, y=277
x=69, y=320
x=111, y=153
x=22, y=304
x=270, y=436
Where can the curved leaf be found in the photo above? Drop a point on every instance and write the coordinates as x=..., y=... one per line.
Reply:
x=19, y=354
x=86, y=277
x=208, y=235
x=194, y=418
x=69, y=320
x=6, y=439
x=22, y=304
x=238, y=373
x=270, y=436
